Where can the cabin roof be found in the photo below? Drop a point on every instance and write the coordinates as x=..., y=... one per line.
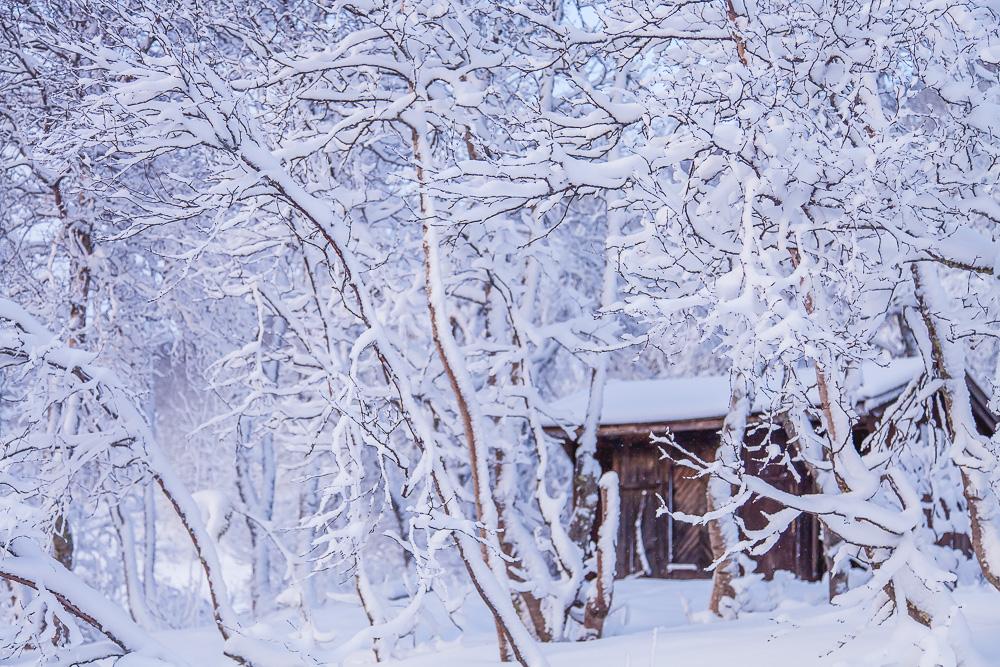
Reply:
x=702, y=401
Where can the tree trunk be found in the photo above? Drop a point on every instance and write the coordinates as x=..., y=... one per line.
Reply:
x=149, y=543
x=467, y=405
x=80, y=249
x=586, y=488
x=586, y=470
x=134, y=592
x=724, y=531
x=373, y=610
x=971, y=454
x=523, y=558
x=528, y=605
x=599, y=602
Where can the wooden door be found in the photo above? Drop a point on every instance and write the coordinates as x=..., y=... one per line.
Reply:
x=798, y=549
x=652, y=545
x=691, y=551
x=643, y=538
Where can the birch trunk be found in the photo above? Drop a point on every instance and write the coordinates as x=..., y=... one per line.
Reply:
x=80, y=249
x=149, y=524
x=524, y=560
x=724, y=531
x=599, y=602
x=971, y=453
x=134, y=591
x=467, y=404
x=586, y=469
x=372, y=607
x=830, y=541
x=259, y=498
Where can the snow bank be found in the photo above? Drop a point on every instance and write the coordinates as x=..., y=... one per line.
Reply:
x=664, y=623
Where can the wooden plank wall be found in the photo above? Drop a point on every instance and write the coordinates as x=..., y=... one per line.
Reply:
x=661, y=546
x=798, y=549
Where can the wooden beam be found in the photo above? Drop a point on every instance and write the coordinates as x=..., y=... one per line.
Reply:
x=636, y=431
x=642, y=431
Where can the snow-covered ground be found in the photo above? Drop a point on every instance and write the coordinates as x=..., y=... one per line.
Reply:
x=658, y=623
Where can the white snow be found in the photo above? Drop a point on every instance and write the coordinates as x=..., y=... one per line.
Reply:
x=705, y=397
x=653, y=623
x=663, y=623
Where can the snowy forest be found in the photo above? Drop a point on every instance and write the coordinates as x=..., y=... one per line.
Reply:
x=467, y=332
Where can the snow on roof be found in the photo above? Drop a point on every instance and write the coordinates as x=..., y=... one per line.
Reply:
x=705, y=397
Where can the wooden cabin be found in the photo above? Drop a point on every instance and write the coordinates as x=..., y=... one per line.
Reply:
x=693, y=409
